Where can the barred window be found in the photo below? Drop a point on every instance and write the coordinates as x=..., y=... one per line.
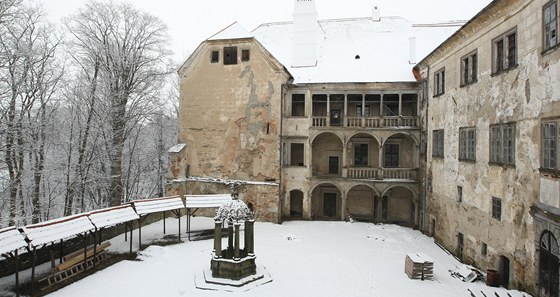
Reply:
x=230, y=55
x=469, y=68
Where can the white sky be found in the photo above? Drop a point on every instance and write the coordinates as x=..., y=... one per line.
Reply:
x=190, y=22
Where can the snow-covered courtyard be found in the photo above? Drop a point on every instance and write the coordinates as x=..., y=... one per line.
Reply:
x=303, y=259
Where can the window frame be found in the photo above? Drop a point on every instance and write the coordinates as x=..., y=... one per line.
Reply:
x=245, y=55
x=469, y=68
x=291, y=154
x=214, y=54
x=439, y=82
x=497, y=208
x=438, y=143
x=398, y=154
x=362, y=153
x=502, y=144
x=295, y=101
x=459, y=194
x=508, y=58
x=549, y=145
x=467, y=144
x=230, y=55
x=546, y=44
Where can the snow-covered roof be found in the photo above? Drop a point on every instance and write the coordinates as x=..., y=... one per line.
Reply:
x=57, y=229
x=233, y=31
x=148, y=206
x=112, y=216
x=358, y=49
x=177, y=148
x=233, y=211
x=207, y=201
x=10, y=240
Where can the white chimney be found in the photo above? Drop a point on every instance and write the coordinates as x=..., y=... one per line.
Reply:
x=376, y=14
x=305, y=34
x=412, y=50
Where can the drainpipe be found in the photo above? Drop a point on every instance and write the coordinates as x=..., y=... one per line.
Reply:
x=425, y=207
x=281, y=157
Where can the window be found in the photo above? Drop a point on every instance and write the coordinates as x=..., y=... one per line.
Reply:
x=359, y=111
x=550, y=25
x=502, y=144
x=215, y=57
x=459, y=194
x=469, y=68
x=361, y=154
x=230, y=55
x=439, y=82
x=467, y=144
x=550, y=145
x=437, y=144
x=296, y=154
x=333, y=164
x=496, y=208
x=298, y=105
x=504, y=50
x=460, y=244
x=245, y=55
x=391, y=155
x=484, y=249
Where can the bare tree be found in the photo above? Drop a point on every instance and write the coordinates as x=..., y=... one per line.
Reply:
x=29, y=76
x=131, y=49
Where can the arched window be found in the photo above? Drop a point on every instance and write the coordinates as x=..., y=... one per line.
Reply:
x=548, y=265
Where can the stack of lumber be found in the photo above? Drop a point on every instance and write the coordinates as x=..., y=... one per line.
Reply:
x=78, y=256
x=419, y=266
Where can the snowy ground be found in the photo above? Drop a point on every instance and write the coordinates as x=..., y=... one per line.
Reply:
x=303, y=259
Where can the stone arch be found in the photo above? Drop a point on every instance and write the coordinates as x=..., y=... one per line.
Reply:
x=549, y=257
x=296, y=203
x=376, y=137
x=313, y=138
x=406, y=134
x=326, y=201
x=326, y=154
x=360, y=202
x=399, y=205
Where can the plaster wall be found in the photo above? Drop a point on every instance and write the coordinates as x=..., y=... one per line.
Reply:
x=523, y=95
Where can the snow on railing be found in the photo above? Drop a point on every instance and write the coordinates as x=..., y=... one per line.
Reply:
x=10, y=240
x=112, y=216
x=148, y=206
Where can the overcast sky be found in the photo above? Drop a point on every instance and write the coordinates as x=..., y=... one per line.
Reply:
x=190, y=22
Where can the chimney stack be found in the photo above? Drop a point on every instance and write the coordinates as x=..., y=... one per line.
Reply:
x=305, y=34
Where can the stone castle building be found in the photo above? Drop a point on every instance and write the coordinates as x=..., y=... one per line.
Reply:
x=325, y=119
x=492, y=113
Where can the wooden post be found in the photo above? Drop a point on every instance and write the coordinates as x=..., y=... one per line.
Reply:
x=17, y=273
x=53, y=256
x=163, y=222
x=179, y=221
x=126, y=231
x=140, y=234
x=61, y=251
x=236, y=254
x=131, y=222
x=189, y=224
x=217, y=239
x=85, y=251
x=34, y=258
x=94, y=246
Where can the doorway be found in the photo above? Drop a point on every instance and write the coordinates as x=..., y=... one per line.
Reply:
x=504, y=271
x=548, y=266
x=329, y=205
x=296, y=203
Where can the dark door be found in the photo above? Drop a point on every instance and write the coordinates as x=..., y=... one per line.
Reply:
x=335, y=117
x=504, y=271
x=333, y=165
x=548, y=266
x=391, y=155
x=329, y=205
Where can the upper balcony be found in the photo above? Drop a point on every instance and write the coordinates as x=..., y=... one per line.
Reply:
x=385, y=110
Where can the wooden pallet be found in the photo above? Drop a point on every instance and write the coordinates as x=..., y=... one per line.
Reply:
x=419, y=266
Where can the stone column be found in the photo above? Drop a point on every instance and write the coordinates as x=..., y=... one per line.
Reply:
x=345, y=118
x=236, y=253
x=363, y=115
x=328, y=110
x=230, y=236
x=218, y=239
x=250, y=237
x=381, y=112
